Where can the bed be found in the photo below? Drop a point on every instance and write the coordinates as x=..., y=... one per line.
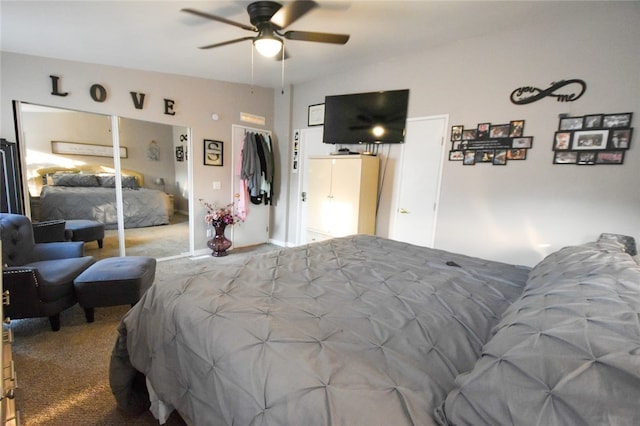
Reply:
x=363, y=330
x=89, y=193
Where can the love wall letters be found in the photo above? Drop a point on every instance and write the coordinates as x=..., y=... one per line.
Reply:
x=99, y=94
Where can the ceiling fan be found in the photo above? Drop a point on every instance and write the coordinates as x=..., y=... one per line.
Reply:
x=269, y=19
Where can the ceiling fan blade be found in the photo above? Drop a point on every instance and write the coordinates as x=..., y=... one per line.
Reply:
x=220, y=19
x=291, y=12
x=317, y=37
x=224, y=43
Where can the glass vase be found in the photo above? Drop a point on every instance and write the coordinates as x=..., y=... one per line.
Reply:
x=219, y=243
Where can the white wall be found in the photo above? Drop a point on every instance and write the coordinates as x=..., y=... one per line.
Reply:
x=26, y=78
x=520, y=212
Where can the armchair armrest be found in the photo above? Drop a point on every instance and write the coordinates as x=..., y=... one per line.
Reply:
x=22, y=284
x=49, y=231
x=58, y=250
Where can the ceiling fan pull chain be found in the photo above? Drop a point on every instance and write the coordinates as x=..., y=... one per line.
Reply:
x=282, y=82
x=251, y=68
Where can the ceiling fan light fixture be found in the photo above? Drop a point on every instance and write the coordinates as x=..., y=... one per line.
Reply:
x=268, y=46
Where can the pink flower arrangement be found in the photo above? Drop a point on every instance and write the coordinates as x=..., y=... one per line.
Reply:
x=219, y=216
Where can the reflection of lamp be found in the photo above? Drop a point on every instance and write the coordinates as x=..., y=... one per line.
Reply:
x=159, y=181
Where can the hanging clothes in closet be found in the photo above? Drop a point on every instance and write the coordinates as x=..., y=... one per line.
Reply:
x=257, y=168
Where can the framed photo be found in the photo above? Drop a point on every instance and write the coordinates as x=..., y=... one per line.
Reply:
x=524, y=142
x=469, y=158
x=180, y=153
x=593, y=121
x=590, y=140
x=316, y=115
x=500, y=131
x=568, y=157
x=562, y=141
x=456, y=155
x=617, y=120
x=213, y=152
x=468, y=134
x=456, y=133
x=500, y=157
x=516, y=128
x=483, y=130
x=484, y=155
x=571, y=123
x=78, y=148
x=516, y=154
x=610, y=157
x=620, y=138
x=586, y=158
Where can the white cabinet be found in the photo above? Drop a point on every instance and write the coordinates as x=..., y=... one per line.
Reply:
x=342, y=196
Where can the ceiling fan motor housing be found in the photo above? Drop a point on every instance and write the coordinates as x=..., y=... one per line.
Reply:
x=260, y=12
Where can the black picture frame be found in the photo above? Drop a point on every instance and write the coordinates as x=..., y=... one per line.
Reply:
x=562, y=141
x=469, y=134
x=180, y=153
x=565, y=157
x=516, y=154
x=516, y=128
x=522, y=142
x=586, y=158
x=620, y=138
x=617, y=120
x=590, y=140
x=500, y=157
x=482, y=132
x=456, y=155
x=593, y=121
x=500, y=131
x=213, y=152
x=610, y=157
x=571, y=123
x=469, y=158
x=456, y=133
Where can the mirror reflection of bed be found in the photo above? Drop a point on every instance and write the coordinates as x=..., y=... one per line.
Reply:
x=64, y=185
x=88, y=193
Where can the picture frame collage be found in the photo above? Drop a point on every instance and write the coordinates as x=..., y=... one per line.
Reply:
x=593, y=139
x=489, y=143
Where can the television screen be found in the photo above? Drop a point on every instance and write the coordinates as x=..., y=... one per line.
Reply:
x=366, y=118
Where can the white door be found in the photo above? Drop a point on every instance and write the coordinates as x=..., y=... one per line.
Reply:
x=419, y=183
x=310, y=145
x=255, y=229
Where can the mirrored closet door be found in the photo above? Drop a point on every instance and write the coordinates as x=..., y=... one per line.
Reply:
x=140, y=196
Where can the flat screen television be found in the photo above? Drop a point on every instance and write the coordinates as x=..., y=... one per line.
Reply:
x=366, y=118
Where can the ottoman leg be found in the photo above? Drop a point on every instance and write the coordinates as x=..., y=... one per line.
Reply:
x=54, y=320
x=89, y=314
x=99, y=243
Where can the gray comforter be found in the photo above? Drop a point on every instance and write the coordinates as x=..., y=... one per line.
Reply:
x=353, y=331
x=142, y=207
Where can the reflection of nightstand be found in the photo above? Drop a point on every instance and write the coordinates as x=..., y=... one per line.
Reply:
x=34, y=202
x=173, y=206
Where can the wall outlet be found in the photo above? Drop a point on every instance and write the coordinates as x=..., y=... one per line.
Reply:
x=209, y=233
x=216, y=184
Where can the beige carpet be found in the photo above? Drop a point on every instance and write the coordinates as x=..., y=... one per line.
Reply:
x=63, y=377
x=155, y=241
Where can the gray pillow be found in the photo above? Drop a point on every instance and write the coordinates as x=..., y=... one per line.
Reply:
x=109, y=181
x=72, y=179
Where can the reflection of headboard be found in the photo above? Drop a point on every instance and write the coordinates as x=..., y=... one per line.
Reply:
x=88, y=169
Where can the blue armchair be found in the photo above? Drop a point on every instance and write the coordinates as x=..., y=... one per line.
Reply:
x=39, y=276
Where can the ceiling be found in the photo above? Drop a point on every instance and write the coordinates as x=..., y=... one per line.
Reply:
x=157, y=36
